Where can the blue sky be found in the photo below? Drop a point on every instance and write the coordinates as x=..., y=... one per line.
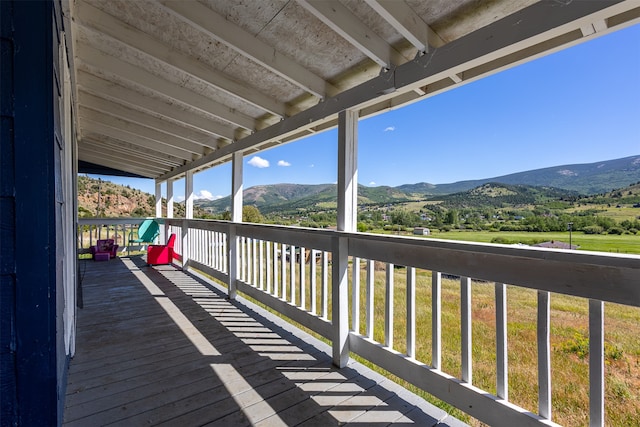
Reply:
x=579, y=105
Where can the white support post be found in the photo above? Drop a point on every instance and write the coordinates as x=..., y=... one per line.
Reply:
x=347, y=215
x=339, y=297
x=347, y=170
x=465, y=312
x=188, y=195
x=596, y=363
x=236, y=187
x=544, y=356
x=158, y=200
x=236, y=216
x=170, y=198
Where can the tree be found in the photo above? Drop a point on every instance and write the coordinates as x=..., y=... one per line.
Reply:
x=252, y=214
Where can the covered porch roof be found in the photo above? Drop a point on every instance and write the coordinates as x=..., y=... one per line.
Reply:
x=165, y=87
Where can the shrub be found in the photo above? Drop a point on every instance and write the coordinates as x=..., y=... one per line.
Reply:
x=592, y=229
x=615, y=230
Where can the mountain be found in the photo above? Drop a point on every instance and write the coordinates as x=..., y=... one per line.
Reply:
x=590, y=178
x=496, y=195
x=99, y=198
x=557, y=181
x=289, y=197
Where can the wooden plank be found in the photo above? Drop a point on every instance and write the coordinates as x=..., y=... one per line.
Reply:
x=266, y=369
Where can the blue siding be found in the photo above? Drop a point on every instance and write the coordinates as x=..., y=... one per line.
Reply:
x=30, y=350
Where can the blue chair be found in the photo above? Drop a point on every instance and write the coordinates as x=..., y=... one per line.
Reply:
x=146, y=233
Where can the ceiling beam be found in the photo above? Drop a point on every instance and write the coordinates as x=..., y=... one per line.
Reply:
x=408, y=23
x=98, y=160
x=127, y=147
x=98, y=149
x=246, y=44
x=91, y=16
x=543, y=27
x=341, y=20
x=120, y=134
x=113, y=65
x=140, y=130
x=144, y=119
x=127, y=96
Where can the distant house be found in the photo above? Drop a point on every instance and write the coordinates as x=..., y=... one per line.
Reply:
x=555, y=244
x=421, y=231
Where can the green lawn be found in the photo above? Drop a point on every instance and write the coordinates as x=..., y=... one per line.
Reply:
x=627, y=243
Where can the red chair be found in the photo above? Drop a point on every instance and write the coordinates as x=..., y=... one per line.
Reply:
x=161, y=254
x=104, y=246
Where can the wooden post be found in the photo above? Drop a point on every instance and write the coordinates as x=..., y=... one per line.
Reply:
x=347, y=214
x=236, y=217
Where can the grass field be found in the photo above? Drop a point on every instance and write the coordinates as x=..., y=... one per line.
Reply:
x=569, y=343
x=624, y=244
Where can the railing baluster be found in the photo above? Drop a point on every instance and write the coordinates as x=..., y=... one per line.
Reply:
x=355, y=296
x=411, y=312
x=465, y=321
x=275, y=269
x=502, y=371
x=325, y=285
x=268, y=265
x=302, y=285
x=254, y=258
x=596, y=363
x=283, y=271
x=369, y=295
x=436, y=320
x=388, y=307
x=312, y=274
x=292, y=274
x=544, y=356
x=261, y=264
x=249, y=259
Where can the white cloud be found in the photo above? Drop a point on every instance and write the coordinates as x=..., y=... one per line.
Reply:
x=259, y=162
x=206, y=195
x=179, y=199
x=372, y=183
x=283, y=163
x=389, y=128
x=312, y=165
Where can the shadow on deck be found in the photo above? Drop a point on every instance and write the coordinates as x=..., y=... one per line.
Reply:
x=159, y=346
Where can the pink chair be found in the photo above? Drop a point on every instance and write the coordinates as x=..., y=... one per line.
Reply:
x=104, y=246
x=161, y=254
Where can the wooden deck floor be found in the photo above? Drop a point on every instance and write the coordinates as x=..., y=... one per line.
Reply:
x=156, y=346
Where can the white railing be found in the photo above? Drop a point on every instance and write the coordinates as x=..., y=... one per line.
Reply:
x=91, y=230
x=289, y=270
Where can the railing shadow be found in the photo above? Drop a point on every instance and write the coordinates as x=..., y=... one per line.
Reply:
x=194, y=357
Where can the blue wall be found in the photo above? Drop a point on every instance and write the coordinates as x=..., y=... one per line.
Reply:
x=31, y=351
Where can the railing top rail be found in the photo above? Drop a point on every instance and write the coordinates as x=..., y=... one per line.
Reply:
x=596, y=275
x=110, y=221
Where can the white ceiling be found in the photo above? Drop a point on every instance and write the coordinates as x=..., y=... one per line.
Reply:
x=162, y=87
